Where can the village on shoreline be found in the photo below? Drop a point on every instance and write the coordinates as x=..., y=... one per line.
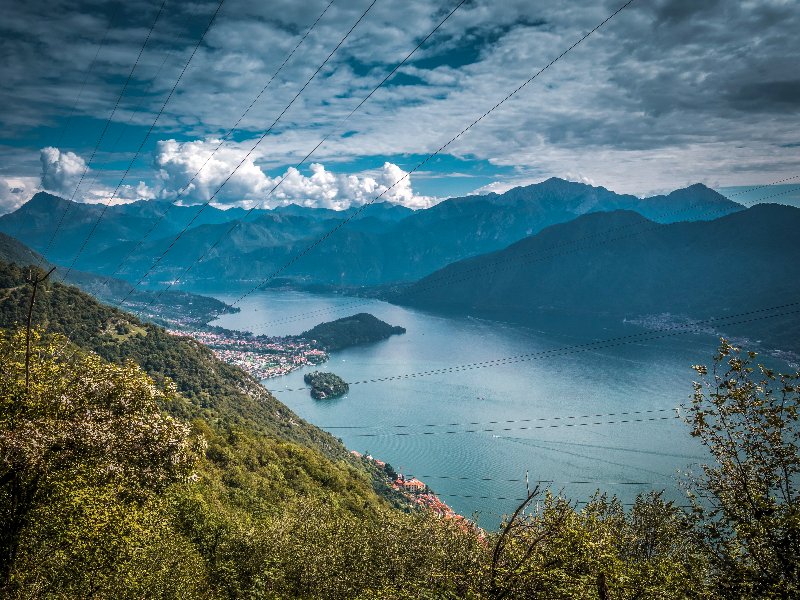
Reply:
x=263, y=357
x=412, y=489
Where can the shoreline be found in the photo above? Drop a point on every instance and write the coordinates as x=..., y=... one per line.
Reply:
x=262, y=357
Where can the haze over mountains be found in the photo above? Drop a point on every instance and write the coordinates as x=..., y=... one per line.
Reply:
x=383, y=243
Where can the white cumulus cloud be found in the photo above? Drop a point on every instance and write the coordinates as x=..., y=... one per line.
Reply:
x=15, y=191
x=190, y=166
x=61, y=171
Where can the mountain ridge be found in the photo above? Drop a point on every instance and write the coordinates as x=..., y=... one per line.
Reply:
x=383, y=243
x=615, y=264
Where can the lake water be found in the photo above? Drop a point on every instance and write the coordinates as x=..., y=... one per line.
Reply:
x=529, y=406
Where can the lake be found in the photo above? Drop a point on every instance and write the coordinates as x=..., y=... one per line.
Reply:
x=540, y=413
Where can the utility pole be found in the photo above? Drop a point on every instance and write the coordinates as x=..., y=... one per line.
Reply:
x=35, y=281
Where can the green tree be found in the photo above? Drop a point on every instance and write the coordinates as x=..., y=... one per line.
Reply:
x=83, y=424
x=746, y=500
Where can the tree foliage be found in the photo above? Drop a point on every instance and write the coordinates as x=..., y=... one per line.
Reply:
x=83, y=431
x=747, y=506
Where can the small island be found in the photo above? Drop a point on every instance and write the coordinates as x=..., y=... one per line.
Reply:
x=355, y=330
x=326, y=385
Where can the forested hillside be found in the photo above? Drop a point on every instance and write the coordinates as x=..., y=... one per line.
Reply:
x=172, y=307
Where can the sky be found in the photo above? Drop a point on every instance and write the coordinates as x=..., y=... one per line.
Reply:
x=666, y=94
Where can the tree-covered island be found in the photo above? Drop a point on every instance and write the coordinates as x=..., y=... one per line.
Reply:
x=362, y=328
x=326, y=385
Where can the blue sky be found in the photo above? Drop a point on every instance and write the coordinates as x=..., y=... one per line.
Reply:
x=669, y=93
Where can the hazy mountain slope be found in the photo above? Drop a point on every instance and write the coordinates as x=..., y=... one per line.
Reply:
x=265, y=231
x=694, y=203
x=173, y=306
x=14, y=251
x=380, y=211
x=621, y=264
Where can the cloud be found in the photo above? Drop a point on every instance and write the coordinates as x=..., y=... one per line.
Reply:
x=61, y=171
x=15, y=191
x=666, y=92
x=189, y=169
x=124, y=194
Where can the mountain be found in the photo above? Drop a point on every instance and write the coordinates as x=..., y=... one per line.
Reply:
x=36, y=220
x=429, y=239
x=622, y=265
x=174, y=307
x=382, y=243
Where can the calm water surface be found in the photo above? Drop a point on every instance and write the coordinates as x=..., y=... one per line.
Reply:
x=529, y=405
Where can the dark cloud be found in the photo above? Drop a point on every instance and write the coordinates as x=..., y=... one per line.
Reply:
x=774, y=96
x=678, y=11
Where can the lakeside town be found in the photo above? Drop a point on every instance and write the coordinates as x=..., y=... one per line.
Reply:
x=263, y=357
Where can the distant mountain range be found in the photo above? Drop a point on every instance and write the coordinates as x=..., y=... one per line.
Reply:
x=623, y=265
x=382, y=243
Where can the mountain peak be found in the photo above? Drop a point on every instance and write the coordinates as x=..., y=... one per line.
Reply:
x=700, y=190
x=42, y=201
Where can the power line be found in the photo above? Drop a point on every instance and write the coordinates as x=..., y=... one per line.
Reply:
x=244, y=158
x=535, y=480
x=421, y=164
x=578, y=502
x=105, y=129
x=119, y=303
x=75, y=103
x=224, y=138
x=530, y=420
x=758, y=187
x=305, y=158
x=432, y=155
x=694, y=327
x=144, y=140
x=363, y=15
x=502, y=429
x=86, y=77
x=593, y=458
x=612, y=448
x=135, y=111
